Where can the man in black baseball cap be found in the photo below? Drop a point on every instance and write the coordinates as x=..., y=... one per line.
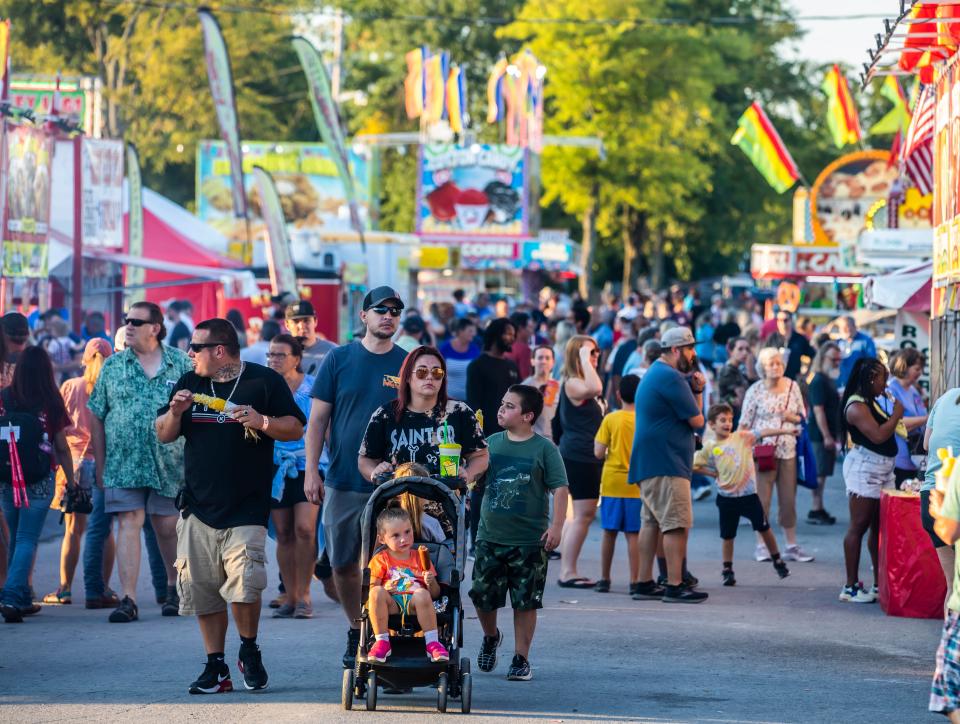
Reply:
x=17, y=333
x=379, y=295
x=352, y=383
x=301, y=321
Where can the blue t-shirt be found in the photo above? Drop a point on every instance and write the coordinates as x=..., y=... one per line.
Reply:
x=457, y=363
x=944, y=425
x=861, y=346
x=356, y=382
x=663, y=441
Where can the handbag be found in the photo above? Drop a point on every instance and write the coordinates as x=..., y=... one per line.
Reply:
x=806, y=460
x=76, y=500
x=764, y=456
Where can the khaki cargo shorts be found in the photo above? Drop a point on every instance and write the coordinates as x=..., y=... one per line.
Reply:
x=666, y=503
x=217, y=567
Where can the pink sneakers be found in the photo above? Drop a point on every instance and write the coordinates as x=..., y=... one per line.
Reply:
x=437, y=652
x=379, y=651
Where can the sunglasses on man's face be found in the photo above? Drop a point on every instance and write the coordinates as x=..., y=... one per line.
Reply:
x=421, y=373
x=200, y=346
x=135, y=322
x=384, y=309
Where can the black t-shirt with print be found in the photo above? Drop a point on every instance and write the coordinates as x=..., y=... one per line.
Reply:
x=417, y=436
x=229, y=478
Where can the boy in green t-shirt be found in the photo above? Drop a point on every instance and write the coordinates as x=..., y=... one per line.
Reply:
x=945, y=690
x=515, y=533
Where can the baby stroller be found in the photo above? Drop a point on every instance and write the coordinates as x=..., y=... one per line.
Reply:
x=408, y=666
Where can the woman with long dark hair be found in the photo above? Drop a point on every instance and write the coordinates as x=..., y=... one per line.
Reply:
x=35, y=392
x=411, y=428
x=868, y=467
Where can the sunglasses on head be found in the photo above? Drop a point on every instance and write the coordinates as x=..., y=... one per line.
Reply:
x=384, y=309
x=421, y=373
x=135, y=322
x=200, y=346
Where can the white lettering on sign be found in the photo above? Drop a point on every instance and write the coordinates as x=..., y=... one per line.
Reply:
x=478, y=250
x=6, y=430
x=824, y=262
x=551, y=252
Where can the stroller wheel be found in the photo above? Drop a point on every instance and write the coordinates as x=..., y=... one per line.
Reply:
x=346, y=691
x=372, y=691
x=466, y=693
x=442, y=693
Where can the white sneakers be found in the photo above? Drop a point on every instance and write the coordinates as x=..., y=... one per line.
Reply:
x=796, y=553
x=858, y=594
x=761, y=554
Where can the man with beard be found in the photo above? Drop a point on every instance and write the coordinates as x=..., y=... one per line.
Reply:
x=669, y=409
x=354, y=380
x=229, y=413
x=489, y=377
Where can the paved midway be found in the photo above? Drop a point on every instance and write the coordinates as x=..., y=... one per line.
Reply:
x=764, y=651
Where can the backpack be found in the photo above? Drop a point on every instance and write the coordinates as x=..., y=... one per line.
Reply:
x=30, y=437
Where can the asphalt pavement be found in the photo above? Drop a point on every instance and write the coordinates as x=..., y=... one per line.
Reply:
x=764, y=651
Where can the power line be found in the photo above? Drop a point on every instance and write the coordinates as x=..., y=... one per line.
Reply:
x=735, y=20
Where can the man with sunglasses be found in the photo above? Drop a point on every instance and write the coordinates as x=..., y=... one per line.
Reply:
x=139, y=476
x=353, y=381
x=225, y=502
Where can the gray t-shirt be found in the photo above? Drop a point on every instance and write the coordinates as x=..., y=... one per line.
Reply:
x=314, y=354
x=356, y=382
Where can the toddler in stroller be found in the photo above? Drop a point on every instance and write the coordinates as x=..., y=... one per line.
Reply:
x=402, y=582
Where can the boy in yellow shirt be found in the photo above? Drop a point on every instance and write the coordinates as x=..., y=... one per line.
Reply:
x=619, y=501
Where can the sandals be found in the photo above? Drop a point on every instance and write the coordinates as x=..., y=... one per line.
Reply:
x=60, y=597
x=602, y=586
x=577, y=583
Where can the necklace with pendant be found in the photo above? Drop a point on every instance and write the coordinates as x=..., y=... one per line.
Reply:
x=221, y=418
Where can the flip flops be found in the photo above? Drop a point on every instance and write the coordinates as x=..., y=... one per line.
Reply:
x=576, y=583
x=60, y=597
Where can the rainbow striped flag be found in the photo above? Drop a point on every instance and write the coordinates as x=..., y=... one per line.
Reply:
x=757, y=138
x=842, y=116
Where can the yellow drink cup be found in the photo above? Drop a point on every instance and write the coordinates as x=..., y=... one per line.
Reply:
x=449, y=459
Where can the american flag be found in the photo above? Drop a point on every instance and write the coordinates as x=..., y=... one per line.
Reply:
x=917, y=150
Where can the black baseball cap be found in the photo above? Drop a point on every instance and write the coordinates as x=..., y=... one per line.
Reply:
x=300, y=309
x=379, y=295
x=15, y=325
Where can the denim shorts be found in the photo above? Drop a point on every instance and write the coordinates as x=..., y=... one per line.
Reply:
x=125, y=500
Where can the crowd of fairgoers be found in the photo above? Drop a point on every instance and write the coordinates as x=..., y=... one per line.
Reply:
x=629, y=410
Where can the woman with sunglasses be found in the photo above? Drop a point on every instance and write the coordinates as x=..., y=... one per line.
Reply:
x=580, y=413
x=411, y=428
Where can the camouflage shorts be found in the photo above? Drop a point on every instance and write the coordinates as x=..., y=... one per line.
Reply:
x=521, y=569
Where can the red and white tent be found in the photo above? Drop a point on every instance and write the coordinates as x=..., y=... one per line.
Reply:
x=905, y=289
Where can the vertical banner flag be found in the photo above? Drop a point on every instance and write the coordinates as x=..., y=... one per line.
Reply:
x=495, y=91
x=135, y=275
x=759, y=140
x=842, y=116
x=456, y=98
x=413, y=84
x=221, y=88
x=101, y=178
x=4, y=57
x=29, y=154
x=328, y=123
x=283, y=276
x=898, y=118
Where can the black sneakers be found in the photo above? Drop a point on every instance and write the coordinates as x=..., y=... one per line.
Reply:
x=171, y=604
x=728, y=578
x=647, y=591
x=487, y=658
x=820, y=517
x=251, y=666
x=125, y=612
x=353, y=643
x=215, y=679
x=680, y=594
x=519, y=669
x=782, y=569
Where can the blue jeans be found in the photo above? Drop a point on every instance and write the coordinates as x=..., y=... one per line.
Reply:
x=25, y=526
x=98, y=528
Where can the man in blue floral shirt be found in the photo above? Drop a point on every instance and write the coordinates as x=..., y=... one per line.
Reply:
x=139, y=475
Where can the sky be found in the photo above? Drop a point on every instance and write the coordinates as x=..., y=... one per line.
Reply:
x=841, y=40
